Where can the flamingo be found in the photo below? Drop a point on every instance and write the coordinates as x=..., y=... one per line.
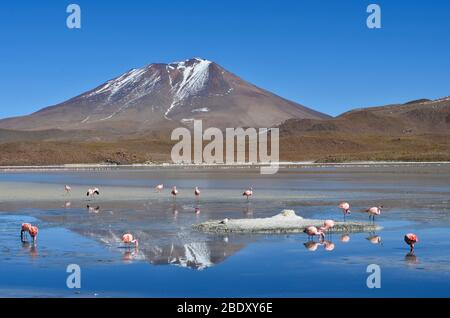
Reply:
x=93, y=192
x=329, y=246
x=67, y=188
x=313, y=231
x=411, y=239
x=345, y=206
x=25, y=228
x=374, y=239
x=129, y=239
x=327, y=225
x=248, y=193
x=345, y=238
x=33, y=233
x=174, y=192
x=159, y=188
x=93, y=209
x=374, y=211
x=197, y=192
x=312, y=246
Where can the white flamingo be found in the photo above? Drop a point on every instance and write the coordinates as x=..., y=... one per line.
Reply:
x=197, y=192
x=93, y=192
x=174, y=192
x=248, y=193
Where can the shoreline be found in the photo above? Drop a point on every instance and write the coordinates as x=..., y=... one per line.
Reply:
x=301, y=164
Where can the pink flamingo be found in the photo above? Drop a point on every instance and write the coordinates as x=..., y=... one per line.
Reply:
x=159, y=188
x=327, y=225
x=345, y=206
x=33, y=233
x=24, y=229
x=329, y=246
x=374, y=239
x=248, y=193
x=374, y=211
x=67, y=188
x=174, y=192
x=197, y=192
x=345, y=238
x=129, y=239
x=411, y=239
x=312, y=246
x=312, y=231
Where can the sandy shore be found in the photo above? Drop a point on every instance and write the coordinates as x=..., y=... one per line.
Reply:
x=33, y=192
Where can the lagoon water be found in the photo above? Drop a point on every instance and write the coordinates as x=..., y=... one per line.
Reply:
x=173, y=260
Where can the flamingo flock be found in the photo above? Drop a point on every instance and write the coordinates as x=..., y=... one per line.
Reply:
x=311, y=231
x=411, y=239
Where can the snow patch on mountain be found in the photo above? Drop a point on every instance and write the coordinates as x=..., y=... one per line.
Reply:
x=197, y=254
x=200, y=110
x=194, y=78
x=113, y=86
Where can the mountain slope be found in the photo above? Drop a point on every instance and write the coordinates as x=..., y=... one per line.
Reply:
x=162, y=95
x=414, y=131
x=417, y=117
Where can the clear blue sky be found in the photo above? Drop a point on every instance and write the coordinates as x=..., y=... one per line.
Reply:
x=318, y=53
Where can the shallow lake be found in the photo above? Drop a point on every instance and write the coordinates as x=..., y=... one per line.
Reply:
x=173, y=260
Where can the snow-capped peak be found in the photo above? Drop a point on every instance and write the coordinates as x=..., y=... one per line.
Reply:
x=195, y=73
x=181, y=79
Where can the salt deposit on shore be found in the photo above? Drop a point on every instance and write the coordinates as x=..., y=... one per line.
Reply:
x=285, y=222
